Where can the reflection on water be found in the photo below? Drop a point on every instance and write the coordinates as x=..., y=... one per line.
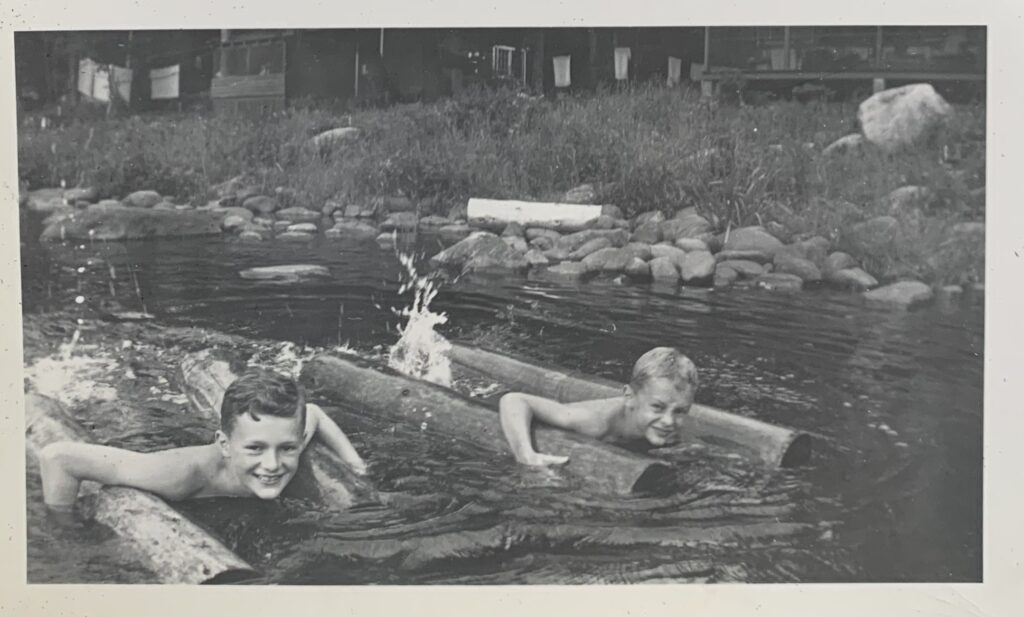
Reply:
x=894, y=401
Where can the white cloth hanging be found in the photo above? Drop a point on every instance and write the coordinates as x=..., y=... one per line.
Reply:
x=622, y=56
x=563, y=72
x=675, y=71
x=164, y=82
x=86, y=76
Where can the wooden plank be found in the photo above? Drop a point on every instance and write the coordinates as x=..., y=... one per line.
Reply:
x=175, y=548
x=496, y=213
x=239, y=86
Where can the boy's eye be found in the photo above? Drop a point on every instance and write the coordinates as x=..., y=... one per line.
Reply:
x=290, y=448
x=253, y=448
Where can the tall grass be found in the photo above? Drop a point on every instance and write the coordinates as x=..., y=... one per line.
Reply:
x=645, y=149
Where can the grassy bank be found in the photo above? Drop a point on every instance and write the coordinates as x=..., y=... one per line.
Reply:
x=648, y=149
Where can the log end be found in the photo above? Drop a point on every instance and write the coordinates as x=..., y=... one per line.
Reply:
x=798, y=452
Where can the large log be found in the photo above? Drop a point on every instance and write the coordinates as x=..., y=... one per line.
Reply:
x=176, y=549
x=357, y=382
x=205, y=377
x=773, y=445
x=495, y=214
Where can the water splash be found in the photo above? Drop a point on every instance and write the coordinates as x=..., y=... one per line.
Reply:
x=421, y=352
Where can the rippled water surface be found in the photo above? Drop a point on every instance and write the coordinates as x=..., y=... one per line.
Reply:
x=893, y=399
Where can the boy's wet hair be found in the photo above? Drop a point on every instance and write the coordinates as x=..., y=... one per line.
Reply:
x=260, y=392
x=664, y=363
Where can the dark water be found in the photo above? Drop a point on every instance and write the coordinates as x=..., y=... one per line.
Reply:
x=894, y=400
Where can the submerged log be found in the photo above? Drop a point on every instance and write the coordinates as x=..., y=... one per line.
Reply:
x=356, y=382
x=205, y=377
x=773, y=445
x=176, y=549
x=496, y=214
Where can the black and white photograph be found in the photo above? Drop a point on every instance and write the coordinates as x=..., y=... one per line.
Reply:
x=503, y=305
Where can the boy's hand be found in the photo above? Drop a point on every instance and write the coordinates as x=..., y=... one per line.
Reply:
x=542, y=460
x=358, y=466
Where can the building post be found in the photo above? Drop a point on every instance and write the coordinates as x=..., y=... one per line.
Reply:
x=785, y=48
x=706, y=86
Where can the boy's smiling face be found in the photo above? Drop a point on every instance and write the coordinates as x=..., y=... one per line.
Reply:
x=263, y=452
x=656, y=411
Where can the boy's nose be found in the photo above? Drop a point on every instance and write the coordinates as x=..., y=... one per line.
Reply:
x=270, y=461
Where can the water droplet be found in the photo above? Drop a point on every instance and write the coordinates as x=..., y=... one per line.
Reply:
x=901, y=444
x=79, y=299
x=423, y=426
x=847, y=405
x=81, y=269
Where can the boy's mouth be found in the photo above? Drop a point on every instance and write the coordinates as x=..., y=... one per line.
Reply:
x=269, y=479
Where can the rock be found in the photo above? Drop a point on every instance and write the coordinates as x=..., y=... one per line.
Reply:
x=846, y=144
x=296, y=214
x=814, y=250
x=434, y=222
x=351, y=229
x=567, y=270
x=65, y=212
x=542, y=243
x=648, y=233
x=903, y=295
x=537, y=232
x=667, y=250
x=804, y=268
x=454, y=232
x=536, y=258
x=81, y=193
x=637, y=268
x=852, y=278
x=350, y=211
x=331, y=206
x=397, y=203
x=743, y=267
x=233, y=223
x=582, y=194
x=513, y=229
x=756, y=256
x=133, y=224
x=263, y=222
x=573, y=241
x=281, y=226
x=262, y=204
x=164, y=205
x=45, y=201
x=838, y=261
x=656, y=217
x=303, y=227
x=609, y=259
x=387, y=239
x=752, y=239
x=142, y=199
x=724, y=276
x=291, y=197
x=900, y=117
x=774, y=281
x=518, y=243
x=556, y=254
x=692, y=244
x=640, y=250
x=603, y=222
x=108, y=203
x=685, y=224
x=589, y=247
x=238, y=211
x=400, y=221
x=233, y=189
x=333, y=138
x=296, y=236
x=613, y=211
x=250, y=236
x=873, y=236
x=289, y=273
x=663, y=270
x=481, y=251
x=697, y=268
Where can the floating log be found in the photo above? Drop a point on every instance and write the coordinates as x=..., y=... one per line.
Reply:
x=773, y=445
x=175, y=548
x=495, y=214
x=205, y=377
x=357, y=382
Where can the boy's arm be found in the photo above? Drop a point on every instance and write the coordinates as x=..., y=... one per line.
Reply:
x=64, y=465
x=334, y=438
x=518, y=411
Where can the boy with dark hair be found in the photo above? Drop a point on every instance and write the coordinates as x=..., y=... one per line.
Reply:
x=265, y=425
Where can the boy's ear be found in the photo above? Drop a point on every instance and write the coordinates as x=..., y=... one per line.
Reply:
x=222, y=441
x=628, y=394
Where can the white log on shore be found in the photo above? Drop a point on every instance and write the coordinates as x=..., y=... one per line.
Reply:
x=495, y=214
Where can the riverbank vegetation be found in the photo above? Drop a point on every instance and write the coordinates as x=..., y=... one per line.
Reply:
x=647, y=149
